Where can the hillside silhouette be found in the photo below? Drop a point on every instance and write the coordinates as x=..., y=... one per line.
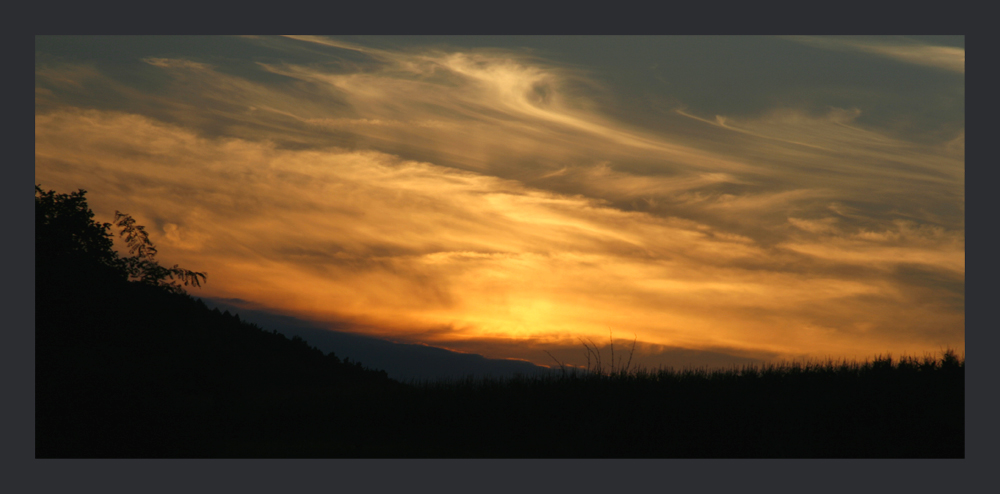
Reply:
x=128, y=365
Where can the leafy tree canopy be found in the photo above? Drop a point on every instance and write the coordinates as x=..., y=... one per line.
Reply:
x=67, y=235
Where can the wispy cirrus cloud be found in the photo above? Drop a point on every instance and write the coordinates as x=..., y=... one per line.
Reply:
x=901, y=49
x=468, y=197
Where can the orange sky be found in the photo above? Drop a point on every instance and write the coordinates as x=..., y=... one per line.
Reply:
x=506, y=199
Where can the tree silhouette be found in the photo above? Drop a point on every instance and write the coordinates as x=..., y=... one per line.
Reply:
x=66, y=233
x=142, y=265
x=67, y=238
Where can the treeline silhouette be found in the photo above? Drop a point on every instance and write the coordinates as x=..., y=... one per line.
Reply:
x=128, y=365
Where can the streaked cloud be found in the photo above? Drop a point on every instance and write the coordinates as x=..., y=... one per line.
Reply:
x=482, y=200
x=901, y=49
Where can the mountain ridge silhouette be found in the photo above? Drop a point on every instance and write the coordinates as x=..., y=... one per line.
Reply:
x=401, y=361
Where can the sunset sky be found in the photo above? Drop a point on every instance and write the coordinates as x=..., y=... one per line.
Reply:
x=716, y=198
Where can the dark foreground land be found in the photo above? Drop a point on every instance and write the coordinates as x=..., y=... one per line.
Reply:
x=128, y=371
x=139, y=369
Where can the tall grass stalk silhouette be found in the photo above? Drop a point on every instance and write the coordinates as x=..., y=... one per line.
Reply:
x=594, y=362
x=599, y=369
